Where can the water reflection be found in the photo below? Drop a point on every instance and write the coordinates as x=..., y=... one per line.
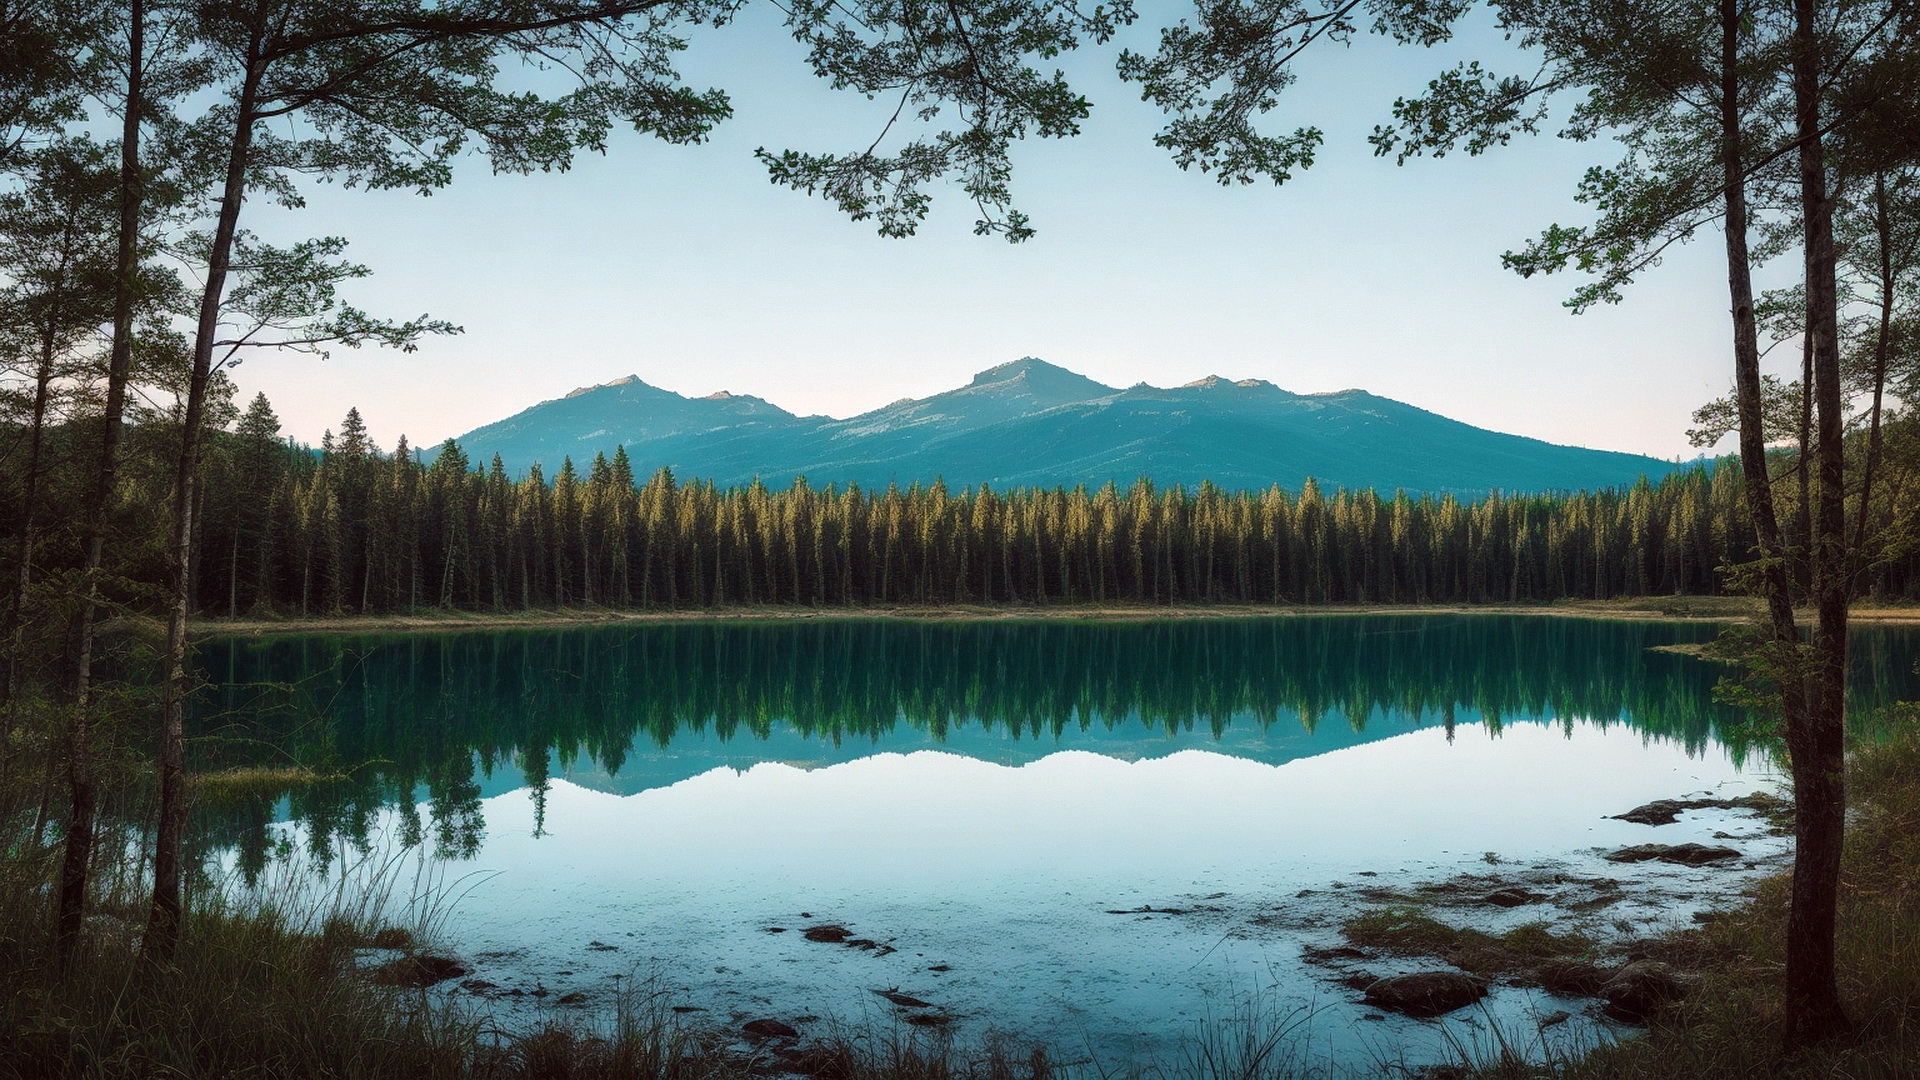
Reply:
x=431, y=724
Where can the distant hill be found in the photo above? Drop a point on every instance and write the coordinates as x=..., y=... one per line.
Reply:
x=1029, y=423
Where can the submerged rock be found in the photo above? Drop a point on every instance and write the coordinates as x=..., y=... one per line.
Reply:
x=1512, y=897
x=905, y=1000
x=1681, y=854
x=1570, y=978
x=830, y=933
x=769, y=1029
x=1330, y=954
x=1425, y=994
x=1666, y=811
x=1657, y=812
x=1644, y=989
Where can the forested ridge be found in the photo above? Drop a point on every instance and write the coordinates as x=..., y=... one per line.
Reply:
x=349, y=529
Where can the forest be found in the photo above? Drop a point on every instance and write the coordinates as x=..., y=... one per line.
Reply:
x=348, y=529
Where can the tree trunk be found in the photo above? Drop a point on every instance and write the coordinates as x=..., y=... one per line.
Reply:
x=29, y=525
x=78, y=849
x=1882, y=354
x=164, y=915
x=1803, y=465
x=1817, y=744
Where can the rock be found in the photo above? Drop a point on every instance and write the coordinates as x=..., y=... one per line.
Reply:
x=829, y=933
x=769, y=1029
x=424, y=969
x=575, y=998
x=907, y=1000
x=1426, y=993
x=1329, y=954
x=1511, y=898
x=1665, y=811
x=1644, y=989
x=1657, y=812
x=1557, y=1016
x=1682, y=854
x=929, y=1020
x=601, y=946
x=478, y=985
x=1570, y=978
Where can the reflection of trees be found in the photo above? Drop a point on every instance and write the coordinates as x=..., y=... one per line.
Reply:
x=407, y=720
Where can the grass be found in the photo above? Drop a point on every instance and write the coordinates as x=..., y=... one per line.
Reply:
x=1407, y=930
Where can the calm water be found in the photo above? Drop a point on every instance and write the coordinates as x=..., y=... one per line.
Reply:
x=642, y=805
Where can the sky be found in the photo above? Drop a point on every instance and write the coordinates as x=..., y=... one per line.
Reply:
x=685, y=266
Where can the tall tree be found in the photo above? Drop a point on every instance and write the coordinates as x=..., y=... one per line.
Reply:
x=1710, y=102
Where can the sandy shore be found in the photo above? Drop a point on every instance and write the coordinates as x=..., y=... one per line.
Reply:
x=1665, y=609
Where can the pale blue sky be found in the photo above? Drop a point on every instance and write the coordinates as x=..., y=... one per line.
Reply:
x=685, y=266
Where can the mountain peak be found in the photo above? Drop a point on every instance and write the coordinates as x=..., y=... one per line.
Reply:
x=1023, y=367
x=624, y=380
x=718, y=395
x=1207, y=383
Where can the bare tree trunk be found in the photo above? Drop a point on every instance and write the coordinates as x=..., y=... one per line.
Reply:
x=1882, y=354
x=164, y=916
x=1817, y=744
x=77, y=851
x=1775, y=580
x=29, y=525
x=1803, y=464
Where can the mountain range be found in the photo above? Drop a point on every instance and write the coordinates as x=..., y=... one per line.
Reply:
x=1030, y=423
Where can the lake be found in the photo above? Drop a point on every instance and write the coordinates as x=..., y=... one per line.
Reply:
x=1111, y=837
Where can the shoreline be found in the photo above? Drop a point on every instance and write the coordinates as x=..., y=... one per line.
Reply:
x=1643, y=609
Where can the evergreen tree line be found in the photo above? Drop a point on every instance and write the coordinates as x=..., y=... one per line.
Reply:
x=352, y=530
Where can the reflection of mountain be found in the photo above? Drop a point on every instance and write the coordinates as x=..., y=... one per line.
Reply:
x=445, y=719
x=694, y=753
x=1031, y=424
